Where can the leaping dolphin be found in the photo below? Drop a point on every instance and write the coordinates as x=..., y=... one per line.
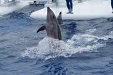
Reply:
x=52, y=26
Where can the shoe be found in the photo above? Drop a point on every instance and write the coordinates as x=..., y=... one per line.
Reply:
x=71, y=12
x=112, y=11
x=68, y=12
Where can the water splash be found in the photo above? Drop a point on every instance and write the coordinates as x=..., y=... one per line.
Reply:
x=47, y=48
x=52, y=48
x=108, y=36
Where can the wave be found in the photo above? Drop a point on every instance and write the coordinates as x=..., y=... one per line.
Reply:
x=52, y=48
x=18, y=15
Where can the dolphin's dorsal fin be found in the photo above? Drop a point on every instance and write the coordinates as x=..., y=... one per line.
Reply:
x=41, y=28
x=59, y=18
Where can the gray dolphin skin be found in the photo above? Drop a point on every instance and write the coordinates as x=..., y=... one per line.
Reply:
x=59, y=18
x=52, y=26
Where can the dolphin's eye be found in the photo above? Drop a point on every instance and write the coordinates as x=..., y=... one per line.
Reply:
x=53, y=16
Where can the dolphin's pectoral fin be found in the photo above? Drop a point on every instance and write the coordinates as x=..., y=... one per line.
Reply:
x=41, y=28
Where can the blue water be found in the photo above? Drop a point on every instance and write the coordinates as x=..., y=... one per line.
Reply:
x=86, y=48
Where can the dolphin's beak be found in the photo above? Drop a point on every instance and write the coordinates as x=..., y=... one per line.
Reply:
x=48, y=13
x=48, y=10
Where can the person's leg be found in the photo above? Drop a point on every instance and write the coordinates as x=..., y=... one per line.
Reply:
x=68, y=5
x=112, y=5
x=71, y=6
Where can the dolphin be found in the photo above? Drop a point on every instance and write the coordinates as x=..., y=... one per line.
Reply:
x=52, y=26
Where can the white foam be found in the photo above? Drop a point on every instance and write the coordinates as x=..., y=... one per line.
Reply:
x=90, y=31
x=108, y=36
x=52, y=48
x=48, y=47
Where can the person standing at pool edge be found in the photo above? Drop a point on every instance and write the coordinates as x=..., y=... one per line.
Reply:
x=112, y=5
x=69, y=6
